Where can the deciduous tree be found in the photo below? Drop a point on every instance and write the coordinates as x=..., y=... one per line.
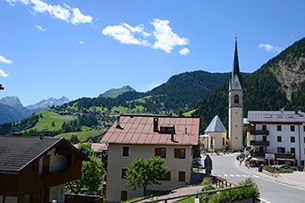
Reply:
x=144, y=172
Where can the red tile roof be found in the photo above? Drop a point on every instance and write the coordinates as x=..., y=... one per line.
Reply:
x=97, y=147
x=136, y=129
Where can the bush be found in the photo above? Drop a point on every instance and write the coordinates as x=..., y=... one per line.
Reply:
x=237, y=194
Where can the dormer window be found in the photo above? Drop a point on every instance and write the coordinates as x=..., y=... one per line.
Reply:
x=167, y=129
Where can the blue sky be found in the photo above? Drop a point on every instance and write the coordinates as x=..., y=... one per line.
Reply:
x=82, y=48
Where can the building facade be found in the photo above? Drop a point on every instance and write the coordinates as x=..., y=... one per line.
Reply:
x=215, y=137
x=235, y=105
x=171, y=138
x=281, y=133
x=35, y=170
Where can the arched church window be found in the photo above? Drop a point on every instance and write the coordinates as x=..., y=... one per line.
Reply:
x=236, y=99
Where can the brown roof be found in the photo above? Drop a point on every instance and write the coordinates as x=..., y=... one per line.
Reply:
x=96, y=147
x=18, y=152
x=140, y=130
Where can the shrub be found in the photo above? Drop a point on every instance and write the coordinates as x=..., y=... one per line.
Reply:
x=237, y=194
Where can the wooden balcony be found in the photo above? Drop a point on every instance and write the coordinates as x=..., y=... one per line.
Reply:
x=259, y=132
x=259, y=143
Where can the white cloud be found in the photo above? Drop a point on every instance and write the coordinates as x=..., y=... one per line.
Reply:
x=40, y=28
x=270, y=48
x=126, y=34
x=13, y=2
x=79, y=18
x=166, y=38
x=55, y=11
x=184, y=51
x=3, y=74
x=81, y=42
x=4, y=60
x=66, y=13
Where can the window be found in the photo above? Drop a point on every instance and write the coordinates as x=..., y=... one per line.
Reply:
x=279, y=138
x=125, y=151
x=304, y=139
x=292, y=150
x=236, y=99
x=279, y=128
x=292, y=128
x=167, y=176
x=292, y=139
x=304, y=128
x=123, y=195
x=264, y=127
x=281, y=149
x=180, y=153
x=181, y=177
x=123, y=173
x=161, y=152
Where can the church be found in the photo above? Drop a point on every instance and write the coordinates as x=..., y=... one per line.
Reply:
x=235, y=105
x=215, y=137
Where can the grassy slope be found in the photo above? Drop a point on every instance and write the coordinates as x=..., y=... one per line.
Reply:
x=48, y=117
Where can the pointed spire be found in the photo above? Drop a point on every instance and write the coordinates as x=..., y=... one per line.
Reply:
x=235, y=61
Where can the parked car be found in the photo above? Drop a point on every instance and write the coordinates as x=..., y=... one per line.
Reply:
x=287, y=166
x=197, y=163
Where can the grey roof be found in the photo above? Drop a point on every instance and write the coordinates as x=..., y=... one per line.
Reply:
x=215, y=126
x=17, y=152
x=276, y=116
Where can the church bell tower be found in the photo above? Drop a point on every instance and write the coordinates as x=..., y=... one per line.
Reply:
x=235, y=105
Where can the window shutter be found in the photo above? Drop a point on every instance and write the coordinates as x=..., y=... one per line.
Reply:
x=177, y=153
x=157, y=151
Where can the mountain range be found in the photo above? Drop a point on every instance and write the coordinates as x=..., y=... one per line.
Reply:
x=11, y=109
x=280, y=82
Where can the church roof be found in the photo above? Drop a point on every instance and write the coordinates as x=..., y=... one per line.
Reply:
x=215, y=126
x=234, y=81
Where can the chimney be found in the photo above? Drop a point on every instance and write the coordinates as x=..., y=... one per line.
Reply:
x=156, y=120
x=173, y=137
x=118, y=125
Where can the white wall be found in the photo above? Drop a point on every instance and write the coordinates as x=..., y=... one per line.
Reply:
x=285, y=133
x=115, y=184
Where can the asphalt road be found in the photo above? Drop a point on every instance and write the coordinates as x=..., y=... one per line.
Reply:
x=271, y=189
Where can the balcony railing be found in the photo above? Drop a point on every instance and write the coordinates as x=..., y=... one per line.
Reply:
x=284, y=156
x=259, y=143
x=259, y=132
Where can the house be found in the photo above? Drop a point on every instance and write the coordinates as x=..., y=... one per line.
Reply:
x=215, y=137
x=281, y=133
x=35, y=169
x=131, y=137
